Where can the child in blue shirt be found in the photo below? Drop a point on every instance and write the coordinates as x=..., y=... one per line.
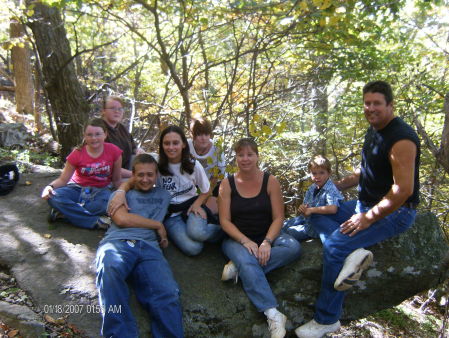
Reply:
x=322, y=197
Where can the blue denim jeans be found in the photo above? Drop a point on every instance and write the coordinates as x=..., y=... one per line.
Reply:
x=144, y=266
x=318, y=225
x=189, y=236
x=67, y=200
x=298, y=228
x=338, y=246
x=285, y=250
x=325, y=225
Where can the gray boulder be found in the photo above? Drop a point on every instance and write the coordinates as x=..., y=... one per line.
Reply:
x=55, y=265
x=13, y=134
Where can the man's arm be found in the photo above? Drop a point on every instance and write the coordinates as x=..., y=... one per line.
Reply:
x=124, y=219
x=348, y=181
x=119, y=197
x=402, y=158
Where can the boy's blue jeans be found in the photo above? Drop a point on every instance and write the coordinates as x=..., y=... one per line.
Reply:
x=338, y=246
x=67, y=201
x=285, y=250
x=144, y=266
x=318, y=225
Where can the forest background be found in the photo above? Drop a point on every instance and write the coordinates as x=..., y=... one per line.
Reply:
x=288, y=73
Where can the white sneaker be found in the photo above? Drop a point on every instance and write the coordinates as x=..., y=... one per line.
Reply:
x=103, y=222
x=357, y=262
x=277, y=325
x=230, y=272
x=314, y=330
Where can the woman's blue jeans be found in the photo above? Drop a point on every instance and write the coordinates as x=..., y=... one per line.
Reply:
x=143, y=265
x=80, y=209
x=285, y=250
x=338, y=246
x=189, y=235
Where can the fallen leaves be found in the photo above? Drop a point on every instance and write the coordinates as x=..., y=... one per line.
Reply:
x=6, y=331
x=57, y=321
x=13, y=333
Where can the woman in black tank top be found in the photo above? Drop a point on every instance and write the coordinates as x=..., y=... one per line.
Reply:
x=251, y=212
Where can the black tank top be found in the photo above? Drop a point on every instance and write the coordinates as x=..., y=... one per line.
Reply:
x=376, y=176
x=252, y=216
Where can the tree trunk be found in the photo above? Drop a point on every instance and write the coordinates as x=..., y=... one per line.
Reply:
x=21, y=61
x=70, y=108
x=443, y=154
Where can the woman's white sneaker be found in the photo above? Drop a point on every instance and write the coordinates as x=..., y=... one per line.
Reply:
x=230, y=272
x=276, y=325
x=313, y=329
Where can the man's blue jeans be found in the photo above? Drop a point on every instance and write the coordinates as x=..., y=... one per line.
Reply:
x=67, y=200
x=189, y=236
x=285, y=250
x=338, y=246
x=144, y=266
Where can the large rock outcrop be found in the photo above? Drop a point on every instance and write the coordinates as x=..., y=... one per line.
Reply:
x=13, y=134
x=55, y=265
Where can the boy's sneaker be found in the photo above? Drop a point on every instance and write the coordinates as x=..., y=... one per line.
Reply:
x=277, y=325
x=54, y=215
x=103, y=222
x=357, y=262
x=230, y=272
x=314, y=330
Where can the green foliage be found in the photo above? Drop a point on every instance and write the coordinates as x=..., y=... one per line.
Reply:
x=24, y=158
x=400, y=319
x=288, y=73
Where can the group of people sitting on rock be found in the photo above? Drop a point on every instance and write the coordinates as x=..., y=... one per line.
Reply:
x=175, y=197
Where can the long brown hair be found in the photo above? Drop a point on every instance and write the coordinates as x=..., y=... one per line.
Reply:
x=187, y=161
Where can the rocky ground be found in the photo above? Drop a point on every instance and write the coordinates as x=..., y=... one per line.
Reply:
x=420, y=316
x=12, y=299
x=30, y=251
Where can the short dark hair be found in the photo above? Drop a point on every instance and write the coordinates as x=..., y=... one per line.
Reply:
x=246, y=142
x=201, y=126
x=380, y=87
x=141, y=159
x=319, y=161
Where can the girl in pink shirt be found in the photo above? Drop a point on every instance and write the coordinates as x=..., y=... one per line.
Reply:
x=82, y=191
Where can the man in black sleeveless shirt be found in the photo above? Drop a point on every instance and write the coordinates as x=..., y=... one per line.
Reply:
x=388, y=195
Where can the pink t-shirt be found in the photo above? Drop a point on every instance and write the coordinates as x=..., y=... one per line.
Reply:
x=94, y=172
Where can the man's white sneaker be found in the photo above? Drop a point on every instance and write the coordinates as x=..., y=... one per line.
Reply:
x=357, y=262
x=230, y=272
x=314, y=330
x=276, y=326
